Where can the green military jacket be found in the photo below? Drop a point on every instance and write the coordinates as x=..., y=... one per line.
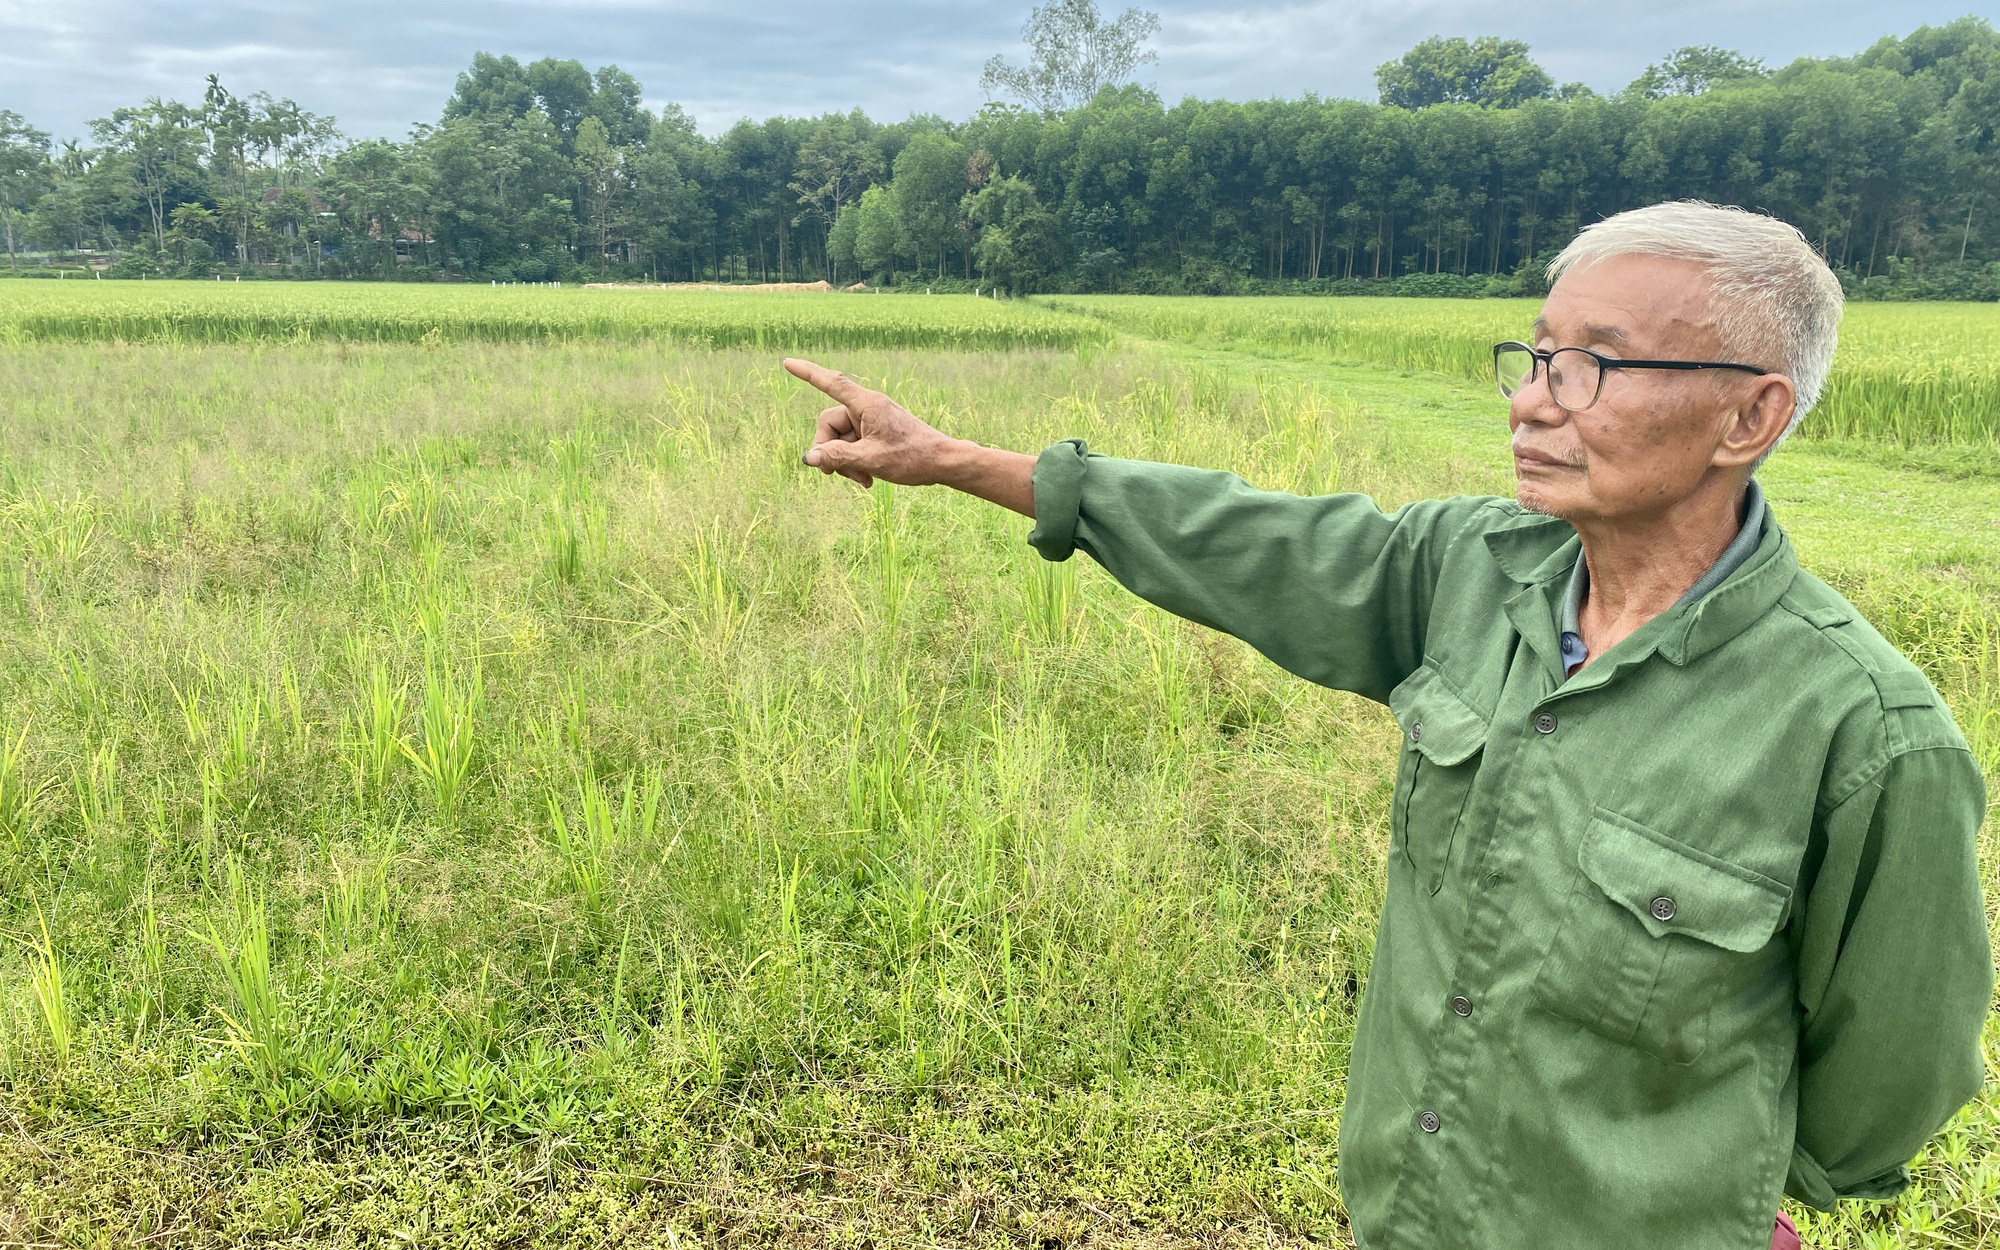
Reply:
x=1696, y=926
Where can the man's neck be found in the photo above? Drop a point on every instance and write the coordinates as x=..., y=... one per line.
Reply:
x=1640, y=568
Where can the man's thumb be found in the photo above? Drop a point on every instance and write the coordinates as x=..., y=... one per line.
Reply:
x=829, y=455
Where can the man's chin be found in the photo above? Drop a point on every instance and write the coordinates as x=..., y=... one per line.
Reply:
x=1538, y=501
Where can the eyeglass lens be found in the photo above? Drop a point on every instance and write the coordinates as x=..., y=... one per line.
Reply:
x=1574, y=374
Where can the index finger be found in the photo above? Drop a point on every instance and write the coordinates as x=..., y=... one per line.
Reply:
x=834, y=384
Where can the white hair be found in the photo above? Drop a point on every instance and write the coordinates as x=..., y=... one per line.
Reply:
x=1778, y=305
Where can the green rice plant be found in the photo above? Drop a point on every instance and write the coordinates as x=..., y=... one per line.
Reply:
x=376, y=739
x=572, y=537
x=56, y=532
x=789, y=926
x=720, y=611
x=575, y=455
x=294, y=707
x=1904, y=374
x=1050, y=596
x=81, y=692
x=356, y=905
x=214, y=801
x=46, y=976
x=149, y=989
x=1182, y=701
x=256, y=1023
x=884, y=781
x=194, y=719
x=240, y=744
x=1438, y=336
x=100, y=802
x=18, y=795
x=562, y=547
x=444, y=750
x=587, y=844
x=891, y=566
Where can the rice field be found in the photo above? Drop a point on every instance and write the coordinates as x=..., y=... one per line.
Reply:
x=236, y=312
x=1906, y=374
x=485, y=792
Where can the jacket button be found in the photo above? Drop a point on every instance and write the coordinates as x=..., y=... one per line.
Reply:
x=1663, y=909
x=1461, y=1004
x=1416, y=731
x=1428, y=1121
x=1545, y=722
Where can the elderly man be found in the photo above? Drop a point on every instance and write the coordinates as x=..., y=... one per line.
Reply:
x=1683, y=908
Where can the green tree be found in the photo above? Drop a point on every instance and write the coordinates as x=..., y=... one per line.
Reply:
x=835, y=165
x=615, y=101
x=564, y=91
x=1694, y=70
x=1019, y=241
x=1073, y=53
x=840, y=240
x=379, y=192
x=501, y=198
x=929, y=185
x=1489, y=71
x=879, y=233
x=25, y=172
x=193, y=227
x=668, y=206
x=495, y=88
x=600, y=168
x=160, y=144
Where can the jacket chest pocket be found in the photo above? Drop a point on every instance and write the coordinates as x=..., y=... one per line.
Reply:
x=1650, y=934
x=1443, y=741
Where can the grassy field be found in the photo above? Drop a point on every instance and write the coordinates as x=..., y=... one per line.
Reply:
x=477, y=793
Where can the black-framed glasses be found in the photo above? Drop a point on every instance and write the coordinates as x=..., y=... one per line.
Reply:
x=1576, y=374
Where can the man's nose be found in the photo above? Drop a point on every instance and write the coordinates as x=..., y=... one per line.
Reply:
x=1535, y=404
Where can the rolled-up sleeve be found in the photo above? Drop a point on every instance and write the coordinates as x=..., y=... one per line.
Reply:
x=1896, y=976
x=1329, y=587
x=1058, y=495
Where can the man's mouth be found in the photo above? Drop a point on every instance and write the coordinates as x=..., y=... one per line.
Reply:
x=1528, y=458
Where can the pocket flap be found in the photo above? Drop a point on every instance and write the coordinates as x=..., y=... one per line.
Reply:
x=1674, y=888
x=1435, y=720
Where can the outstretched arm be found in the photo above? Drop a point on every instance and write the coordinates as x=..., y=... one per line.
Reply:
x=866, y=435
x=1330, y=588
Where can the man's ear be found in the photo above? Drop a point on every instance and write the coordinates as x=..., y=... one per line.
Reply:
x=1758, y=421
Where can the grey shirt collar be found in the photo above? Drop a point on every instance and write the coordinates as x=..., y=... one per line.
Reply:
x=1732, y=558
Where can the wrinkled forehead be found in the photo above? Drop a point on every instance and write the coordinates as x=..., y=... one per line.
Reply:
x=1633, y=304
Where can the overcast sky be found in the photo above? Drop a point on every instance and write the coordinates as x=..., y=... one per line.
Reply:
x=381, y=65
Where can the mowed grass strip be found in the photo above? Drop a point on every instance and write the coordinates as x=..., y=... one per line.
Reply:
x=1905, y=375
x=233, y=312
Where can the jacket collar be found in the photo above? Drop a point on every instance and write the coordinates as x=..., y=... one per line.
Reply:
x=1535, y=550
x=1532, y=548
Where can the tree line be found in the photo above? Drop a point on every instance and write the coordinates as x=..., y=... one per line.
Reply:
x=1471, y=170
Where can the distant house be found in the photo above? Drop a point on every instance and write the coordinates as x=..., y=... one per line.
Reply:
x=406, y=242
